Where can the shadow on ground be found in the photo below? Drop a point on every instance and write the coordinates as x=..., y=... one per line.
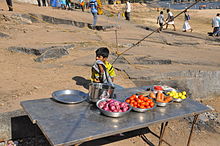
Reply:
x=118, y=137
x=82, y=81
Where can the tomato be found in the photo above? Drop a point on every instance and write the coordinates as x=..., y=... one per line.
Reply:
x=150, y=100
x=132, y=104
x=127, y=100
x=132, y=97
x=145, y=98
x=142, y=107
x=152, y=104
x=146, y=103
x=141, y=97
x=148, y=107
x=135, y=103
x=139, y=101
x=143, y=104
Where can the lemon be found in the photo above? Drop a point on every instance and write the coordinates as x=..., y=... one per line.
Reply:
x=168, y=93
x=175, y=96
x=171, y=94
x=180, y=94
x=184, y=92
x=173, y=91
x=183, y=97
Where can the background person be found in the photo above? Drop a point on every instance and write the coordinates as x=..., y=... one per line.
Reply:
x=170, y=19
x=82, y=5
x=127, y=10
x=186, y=25
x=216, y=24
x=9, y=3
x=94, y=10
x=160, y=20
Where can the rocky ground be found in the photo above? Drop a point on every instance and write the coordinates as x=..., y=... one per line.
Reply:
x=24, y=78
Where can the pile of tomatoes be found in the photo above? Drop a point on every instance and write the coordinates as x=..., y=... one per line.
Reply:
x=140, y=101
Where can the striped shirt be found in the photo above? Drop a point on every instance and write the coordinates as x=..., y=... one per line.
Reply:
x=109, y=68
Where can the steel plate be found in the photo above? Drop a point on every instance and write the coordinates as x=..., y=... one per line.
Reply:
x=69, y=96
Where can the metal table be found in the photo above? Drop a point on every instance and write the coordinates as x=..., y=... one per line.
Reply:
x=65, y=124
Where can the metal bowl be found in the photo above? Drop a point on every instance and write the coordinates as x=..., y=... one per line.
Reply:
x=178, y=99
x=144, y=110
x=140, y=109
x=112, y=114
x=162, y=104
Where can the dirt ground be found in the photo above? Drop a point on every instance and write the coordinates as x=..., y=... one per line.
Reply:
x=24, y=79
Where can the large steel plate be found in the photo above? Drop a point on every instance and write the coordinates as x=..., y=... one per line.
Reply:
x=69, y=96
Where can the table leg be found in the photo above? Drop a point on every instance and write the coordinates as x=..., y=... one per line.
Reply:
x=162, y=131
x=190, y=135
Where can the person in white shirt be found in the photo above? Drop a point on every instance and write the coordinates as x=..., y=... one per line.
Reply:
x=170, y=19
x=160, y=20
x=216, y=25
x=127, y=10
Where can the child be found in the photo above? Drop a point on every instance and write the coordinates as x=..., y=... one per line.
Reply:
x=102, y=70
x=170, y=19
x=160, y=20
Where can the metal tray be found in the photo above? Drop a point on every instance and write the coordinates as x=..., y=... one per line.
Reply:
x=69, y=96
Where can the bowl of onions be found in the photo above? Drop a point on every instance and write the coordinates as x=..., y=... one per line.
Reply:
x=113, y=108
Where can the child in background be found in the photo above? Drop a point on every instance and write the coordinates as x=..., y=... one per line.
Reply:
x=102, y=70
x=160, y=20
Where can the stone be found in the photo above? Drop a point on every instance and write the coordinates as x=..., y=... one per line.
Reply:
x=52, y=53
x=44, y=53
x=2, y=35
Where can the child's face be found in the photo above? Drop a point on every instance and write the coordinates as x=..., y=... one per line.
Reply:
x=101, y=58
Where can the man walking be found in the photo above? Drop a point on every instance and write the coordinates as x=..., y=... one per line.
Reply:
x=160, y=20
x=127, y=10
x=94, y=10
x=170, y=19
x=9, y=3
x=216, y=25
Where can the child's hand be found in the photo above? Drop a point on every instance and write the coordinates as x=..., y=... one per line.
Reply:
x=96, y=80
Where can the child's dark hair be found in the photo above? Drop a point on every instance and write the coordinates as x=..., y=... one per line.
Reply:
x=161, y=12
x=103, y=51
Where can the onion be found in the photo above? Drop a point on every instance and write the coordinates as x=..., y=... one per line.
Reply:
x=112, y=108
x=111, y=104
x=123, y=104
x=117, y=107
x=117, y=102
x=106, y=108
x=101, y=104
x=114, y=111
x=111, y=101
x=124, y=109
